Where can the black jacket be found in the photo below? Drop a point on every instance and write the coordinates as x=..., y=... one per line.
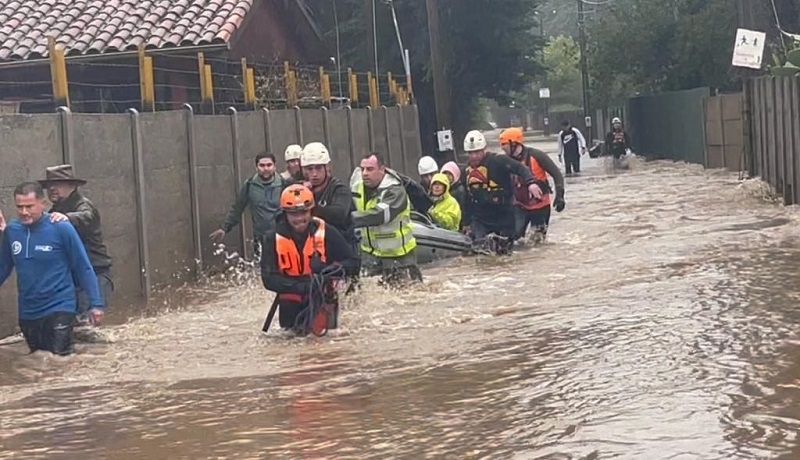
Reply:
x=334, y=205
x=85, y=217
x=337, y=250
x=501, y=170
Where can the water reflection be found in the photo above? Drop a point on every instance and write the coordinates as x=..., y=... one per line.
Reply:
x=659, y=322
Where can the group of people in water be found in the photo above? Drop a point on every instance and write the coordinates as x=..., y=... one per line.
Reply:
x=314, y=234
x=317, y=235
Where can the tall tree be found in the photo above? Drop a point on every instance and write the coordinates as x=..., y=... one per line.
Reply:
x=646, y=46
x=491, y=48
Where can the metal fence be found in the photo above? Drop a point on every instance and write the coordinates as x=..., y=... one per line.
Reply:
x=669, y=125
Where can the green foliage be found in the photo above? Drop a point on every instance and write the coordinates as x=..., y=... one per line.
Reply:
x=491, y=47
x=645, y=46
x=562, y=59
x=562, y=76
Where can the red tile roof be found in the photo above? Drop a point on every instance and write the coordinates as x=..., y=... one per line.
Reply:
x=105, y=26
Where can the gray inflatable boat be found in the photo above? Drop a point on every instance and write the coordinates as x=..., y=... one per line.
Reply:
x=433, y=242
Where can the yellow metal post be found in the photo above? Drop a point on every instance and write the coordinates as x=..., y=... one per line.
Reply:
x=291, y=85
x=250, y=86
x=208, y=97
x=293, y=79
x=369, y=90
x=322, y=83
x=352, y=79
x=374, y=100
x=245, y=91
x=326, y=86
x=389, y=83
x=58, y=74
x=149, y=96
x=201, y=65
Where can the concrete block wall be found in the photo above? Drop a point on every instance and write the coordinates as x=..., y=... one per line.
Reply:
x=157, y=220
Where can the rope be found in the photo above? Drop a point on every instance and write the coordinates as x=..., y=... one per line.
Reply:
x=317, y=306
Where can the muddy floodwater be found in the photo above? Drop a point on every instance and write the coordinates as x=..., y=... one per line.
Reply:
x=661, y=321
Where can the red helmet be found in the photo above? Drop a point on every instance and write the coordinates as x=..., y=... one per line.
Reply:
x=297, y=198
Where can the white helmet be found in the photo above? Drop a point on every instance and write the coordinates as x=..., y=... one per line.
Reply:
x=293, y=152
x=616, y=120
x=427, y=165
x=315, y=153
x=474, y=141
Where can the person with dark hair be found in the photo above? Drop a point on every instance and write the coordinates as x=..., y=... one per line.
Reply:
x=304, y=258
x=571, y=145
x=262, y=194
x=383, y=213
x=71, y=206
x=49, y=258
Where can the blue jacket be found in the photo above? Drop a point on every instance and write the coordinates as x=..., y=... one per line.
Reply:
x=47, y=257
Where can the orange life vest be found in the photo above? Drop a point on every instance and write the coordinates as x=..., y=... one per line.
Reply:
x=521, y=194
x=292, y=263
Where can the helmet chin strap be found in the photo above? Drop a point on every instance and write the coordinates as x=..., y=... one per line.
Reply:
x=513, y=149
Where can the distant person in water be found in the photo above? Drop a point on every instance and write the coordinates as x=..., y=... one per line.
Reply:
x=571, y=145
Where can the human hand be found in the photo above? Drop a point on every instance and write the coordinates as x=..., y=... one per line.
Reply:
x=559, y=204
x=535, y=191
x=96, y=316
x=58, y=217
x=217, y=235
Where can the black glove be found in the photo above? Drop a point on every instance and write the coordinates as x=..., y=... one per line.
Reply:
x=559, y=203
x=317, y=265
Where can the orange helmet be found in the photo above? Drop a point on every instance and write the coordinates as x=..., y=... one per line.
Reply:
x=511, y=135
x=297, y=198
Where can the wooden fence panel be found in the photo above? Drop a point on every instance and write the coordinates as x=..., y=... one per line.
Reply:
x=789, y=89
x=795, y=127
x=780, y=150
x=770, y=132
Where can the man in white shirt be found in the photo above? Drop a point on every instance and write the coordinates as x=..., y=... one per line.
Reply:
x=571, y=145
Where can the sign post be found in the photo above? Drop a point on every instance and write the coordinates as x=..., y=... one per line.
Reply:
x=544, y=93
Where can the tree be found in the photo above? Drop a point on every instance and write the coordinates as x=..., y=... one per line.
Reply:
x=645, y=46
x=562, y=60
x=491, y=49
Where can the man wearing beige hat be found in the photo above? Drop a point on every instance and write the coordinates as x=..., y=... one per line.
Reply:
x=68, y=204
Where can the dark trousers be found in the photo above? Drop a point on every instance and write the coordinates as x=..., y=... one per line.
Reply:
x=538, y=219
x=52, y=333
x=294, y=316
x=503, y=226
x=106, y=288
x=572, y=163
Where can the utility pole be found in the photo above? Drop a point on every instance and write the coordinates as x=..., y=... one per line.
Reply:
x=584, y=67
x=441, y=89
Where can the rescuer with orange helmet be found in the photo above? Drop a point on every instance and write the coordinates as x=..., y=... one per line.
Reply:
x=530, y=210
x=302, y=259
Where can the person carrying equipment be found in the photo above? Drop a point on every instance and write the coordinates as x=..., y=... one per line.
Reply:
x=530, y=211
x=489, y=206
x=303, y=259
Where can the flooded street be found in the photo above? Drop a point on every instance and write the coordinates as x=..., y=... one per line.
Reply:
x=660, y=322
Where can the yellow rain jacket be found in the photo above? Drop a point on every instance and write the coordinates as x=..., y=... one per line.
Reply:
x=445, y=212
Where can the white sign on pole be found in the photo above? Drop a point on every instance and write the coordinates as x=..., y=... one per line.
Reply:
x=445, y=138
x=544, y=93
x=588, y=121
x=749, y=48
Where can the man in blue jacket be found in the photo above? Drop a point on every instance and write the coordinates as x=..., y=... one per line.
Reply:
x=47, y=257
